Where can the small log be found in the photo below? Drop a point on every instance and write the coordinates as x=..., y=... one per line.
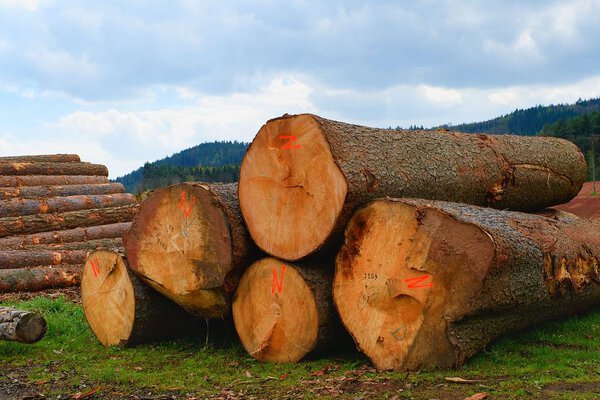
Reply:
x=67, y=190
x=303, y=175
x=284, y=312
x=113, y=243
x=189, y=243
x=10, y=259
x=40, y=278
x=52, y=168
x=115, y=230
x=121, y=309
x=53, y=158
x=21, y=326
x=26, y=206
x=425, y=284
x=50, y=180
x=68, y=220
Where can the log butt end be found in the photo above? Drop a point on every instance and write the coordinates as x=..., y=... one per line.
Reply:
x=289, y=178
x=31, y=328
x=275, y=312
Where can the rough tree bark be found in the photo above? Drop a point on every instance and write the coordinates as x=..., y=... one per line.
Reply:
x=67, y=190
x=52, y=168
x=42, y=158
x=108, y=231
x=50, y=180
x=113, y=243
x=35, y=257
x=303, y=175
x=26, y=206
x=284, y=312
x=426, y=284
x=68, y=220
x=21, y=326
x=40, y=278
x=189, y=243
x=121, y=309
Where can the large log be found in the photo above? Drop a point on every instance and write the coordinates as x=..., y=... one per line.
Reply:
x=42, y=158
x=115, y=230
x=303, y=175
x=121, y=309
x=188, y=241
x=68, y=220
x=10, y=259
x=26, y=206
x=67, y=190
x=284, y=312
x=21, y=326
x=423, y=284
x=52, y=168
x=40, y=278
x=50, y=180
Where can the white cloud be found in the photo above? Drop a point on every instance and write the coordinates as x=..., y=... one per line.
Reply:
x=31, y=5
x=440, y=95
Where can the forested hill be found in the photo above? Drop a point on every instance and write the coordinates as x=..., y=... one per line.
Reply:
x=207, y=162
x=530, y=121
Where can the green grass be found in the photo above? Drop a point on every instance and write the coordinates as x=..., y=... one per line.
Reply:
x=530, y=364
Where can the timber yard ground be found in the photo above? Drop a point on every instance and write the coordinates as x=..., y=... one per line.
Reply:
x=559, y=360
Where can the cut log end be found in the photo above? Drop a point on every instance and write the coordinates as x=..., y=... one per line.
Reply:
x=31, y=328
x=394, y=274
x=275, y=312
x=107, y=296
x=289, y=178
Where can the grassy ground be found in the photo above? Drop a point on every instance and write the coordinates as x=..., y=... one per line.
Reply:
x=558, y=360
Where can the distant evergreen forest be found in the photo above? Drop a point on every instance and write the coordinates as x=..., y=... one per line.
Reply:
x=206, y=162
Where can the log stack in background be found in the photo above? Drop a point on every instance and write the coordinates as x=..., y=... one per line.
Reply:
x=54, y=209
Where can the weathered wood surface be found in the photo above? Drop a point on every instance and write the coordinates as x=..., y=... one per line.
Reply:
x=54, y=158
x=424, y=284
x=66, y=190
x=40, y=278
x=21, y=326
x=27, y=206
x=108, y=231
x=112, y=243
x=189, y=243
x=36, y=257
x=49, y=222
x=284, y=312
x=50, y=180
x=304, y=175
x=52, y=168
x=122, y=310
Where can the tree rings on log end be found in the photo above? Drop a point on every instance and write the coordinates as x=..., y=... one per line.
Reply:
x=402, y=274
x=108, y=297
x=289, y=178
x=275, y=312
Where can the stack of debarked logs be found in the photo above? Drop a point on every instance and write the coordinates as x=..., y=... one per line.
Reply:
x=418, y=240
x=54, y=209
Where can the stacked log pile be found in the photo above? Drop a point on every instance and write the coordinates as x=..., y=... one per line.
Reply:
x=54, y=209
x=423, y=246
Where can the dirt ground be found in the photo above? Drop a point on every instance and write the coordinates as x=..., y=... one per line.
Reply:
x=584, y=205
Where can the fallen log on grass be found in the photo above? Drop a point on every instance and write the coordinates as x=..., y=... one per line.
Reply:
x=121, y=309
x=10, y=226
x=108, y=231
x=423, y=284
x=50, y=180
x=39, y=278
x=304, y=175
x=67, y=190
x=284, y=312
x=51, y=168
x=27, y=206
x=189, y=243
x=21, y=326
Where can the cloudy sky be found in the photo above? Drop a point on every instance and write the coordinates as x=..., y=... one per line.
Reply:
x=121, y=83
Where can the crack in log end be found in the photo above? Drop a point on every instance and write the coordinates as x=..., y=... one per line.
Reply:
x=564, y=276
x=371, y=181
x=419, y=215
x=354, y=237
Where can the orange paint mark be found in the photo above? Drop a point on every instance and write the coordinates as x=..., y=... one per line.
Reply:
x=95, y=267
x=183, y=205
x=416, y=280
x=288, y=145
x=276, y=283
